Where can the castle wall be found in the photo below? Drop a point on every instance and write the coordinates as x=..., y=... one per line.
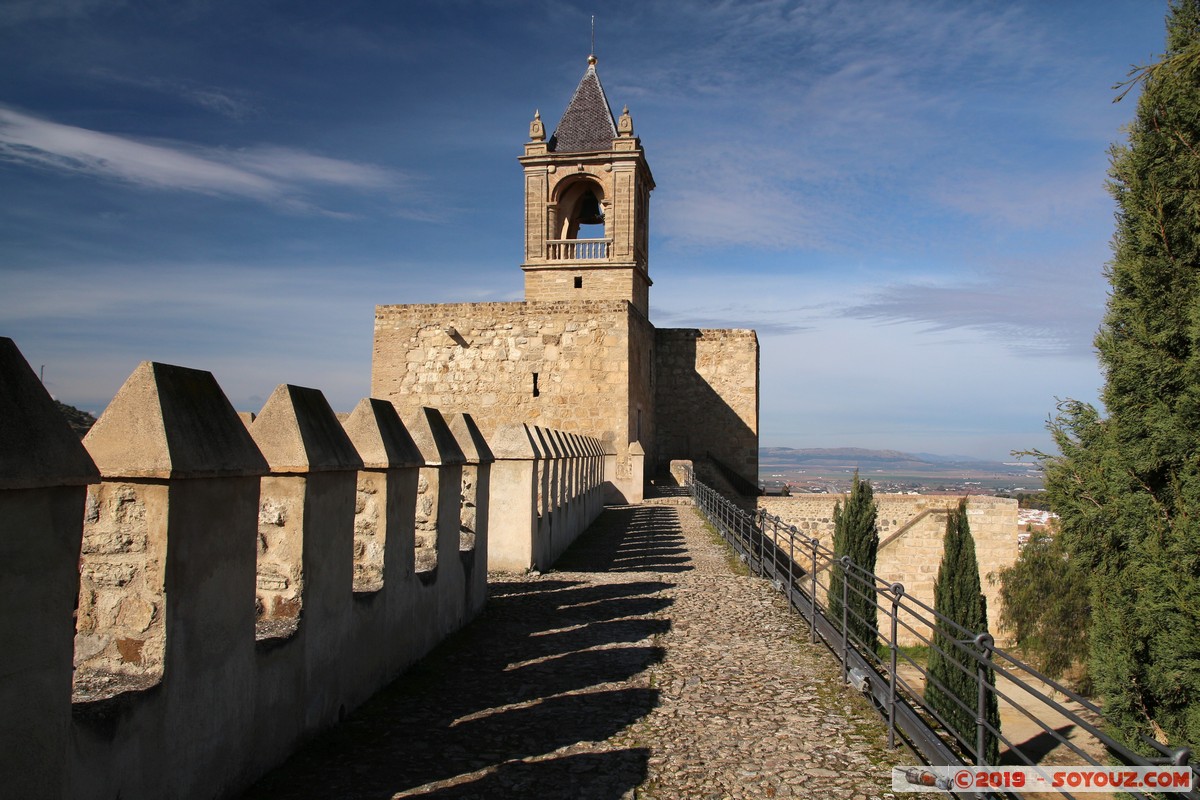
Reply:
x=706, y=397
x=175, y=693
x=536, y=518
x=915, y=525
x=553, y=364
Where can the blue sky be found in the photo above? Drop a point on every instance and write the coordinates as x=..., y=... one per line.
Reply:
x=905, y=199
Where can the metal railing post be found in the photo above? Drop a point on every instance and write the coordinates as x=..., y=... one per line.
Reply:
x=845, y=562
x=985, y=643
x=791, y=563
x=812, y=620
x=897, y=590
x=775, y=549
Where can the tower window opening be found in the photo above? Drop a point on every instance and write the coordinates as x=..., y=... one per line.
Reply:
x=535, y=385
x=578, y=281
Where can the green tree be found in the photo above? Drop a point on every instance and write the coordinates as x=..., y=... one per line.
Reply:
x=1046, y=605
x=1128, y=486
x=855, y=534
x=953, y=676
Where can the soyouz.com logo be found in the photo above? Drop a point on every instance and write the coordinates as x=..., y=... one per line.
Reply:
x=1076, y=780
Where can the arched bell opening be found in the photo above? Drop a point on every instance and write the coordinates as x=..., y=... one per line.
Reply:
x=581, y=211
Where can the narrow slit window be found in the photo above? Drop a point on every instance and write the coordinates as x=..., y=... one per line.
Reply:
x=535, y=385
x=578, y=281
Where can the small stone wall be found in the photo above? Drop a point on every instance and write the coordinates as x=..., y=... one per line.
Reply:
x=911, y=530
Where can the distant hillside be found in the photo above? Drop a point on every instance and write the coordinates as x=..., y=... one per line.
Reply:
x=871, y=460
x=80, y=421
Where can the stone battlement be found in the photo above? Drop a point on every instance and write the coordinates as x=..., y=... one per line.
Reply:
x=236, y=584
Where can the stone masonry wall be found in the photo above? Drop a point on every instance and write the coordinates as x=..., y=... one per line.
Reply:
x=121, y=572
x=280, y=577
x=555, y=364
x=607, y=283
x=369, y=533
x=706, y=398
x=913, y=556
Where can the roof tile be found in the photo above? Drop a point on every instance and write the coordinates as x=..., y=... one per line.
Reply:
x=587, y=125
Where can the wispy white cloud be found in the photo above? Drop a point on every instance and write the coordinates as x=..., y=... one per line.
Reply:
x=269, y=174
x=1054, y=313
x=834, y=105
x=230, y=103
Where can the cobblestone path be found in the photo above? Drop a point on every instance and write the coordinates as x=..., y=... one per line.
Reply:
x=643, y=666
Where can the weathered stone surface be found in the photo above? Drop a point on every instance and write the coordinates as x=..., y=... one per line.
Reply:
x=375, y=429
x=644, y=667
x=298, y=432
x=171, y=422
x=596, y=379
x=911, y=529
x=37, y=446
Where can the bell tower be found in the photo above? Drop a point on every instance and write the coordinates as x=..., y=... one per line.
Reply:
x=587, y=204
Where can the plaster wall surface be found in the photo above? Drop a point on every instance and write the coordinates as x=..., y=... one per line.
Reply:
x=918, y=525
x=706, y=397
x=40, y=535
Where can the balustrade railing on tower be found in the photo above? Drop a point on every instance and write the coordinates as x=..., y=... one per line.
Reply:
x=577, y=249
x=896, y=679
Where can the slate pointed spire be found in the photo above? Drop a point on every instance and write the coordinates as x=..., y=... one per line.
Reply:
x=587, y=125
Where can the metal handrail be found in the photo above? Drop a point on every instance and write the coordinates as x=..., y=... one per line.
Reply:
x=775, y=550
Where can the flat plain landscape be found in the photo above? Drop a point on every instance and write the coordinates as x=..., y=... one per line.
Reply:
x=832, y=470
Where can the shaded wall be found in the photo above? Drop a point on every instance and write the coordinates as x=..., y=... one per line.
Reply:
x=706, y=398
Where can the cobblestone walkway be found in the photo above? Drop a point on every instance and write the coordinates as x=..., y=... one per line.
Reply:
x=643, y=666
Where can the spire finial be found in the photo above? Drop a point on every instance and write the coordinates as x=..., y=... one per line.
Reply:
x=537, y=130
x=592, y=57
x=625, y=124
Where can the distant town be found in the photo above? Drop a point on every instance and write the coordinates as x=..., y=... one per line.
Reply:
x=788, y=471
x=831, y=471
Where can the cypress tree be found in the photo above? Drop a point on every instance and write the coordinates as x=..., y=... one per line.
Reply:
x=855, y=534
x=1128, y=486
x=957, y=594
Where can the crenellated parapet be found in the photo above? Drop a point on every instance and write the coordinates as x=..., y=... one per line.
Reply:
x=190, y=592
x=549, y=487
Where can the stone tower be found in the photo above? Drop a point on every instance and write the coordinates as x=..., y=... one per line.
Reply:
x=587, y=204
x=579, y=353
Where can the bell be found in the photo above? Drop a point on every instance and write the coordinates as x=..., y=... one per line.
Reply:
x=590, y=212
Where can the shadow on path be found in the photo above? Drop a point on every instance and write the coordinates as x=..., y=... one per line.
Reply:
x=549, y=664
x=630, y=539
